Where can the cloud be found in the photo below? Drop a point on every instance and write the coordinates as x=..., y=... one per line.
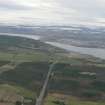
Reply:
x=13, y=5
x=53, y=11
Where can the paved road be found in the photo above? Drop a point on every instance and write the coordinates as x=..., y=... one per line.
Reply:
x=39, y=101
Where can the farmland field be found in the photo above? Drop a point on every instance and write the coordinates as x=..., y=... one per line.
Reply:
x=59, y=99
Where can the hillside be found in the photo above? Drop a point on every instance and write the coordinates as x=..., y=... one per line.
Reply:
x=24, y=64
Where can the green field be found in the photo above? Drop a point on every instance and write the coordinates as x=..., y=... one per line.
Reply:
x=69, y=100
x=23, y=57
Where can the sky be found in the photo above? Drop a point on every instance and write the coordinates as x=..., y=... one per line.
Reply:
x=53, y=12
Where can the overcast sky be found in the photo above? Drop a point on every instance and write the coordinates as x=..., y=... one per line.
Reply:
x=87, y=12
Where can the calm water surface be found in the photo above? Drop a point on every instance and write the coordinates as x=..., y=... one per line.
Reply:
x=96, y=52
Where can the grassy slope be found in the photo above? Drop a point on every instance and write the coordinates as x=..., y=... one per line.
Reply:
x=7, y=89
x=32, y=71
x=9, y=94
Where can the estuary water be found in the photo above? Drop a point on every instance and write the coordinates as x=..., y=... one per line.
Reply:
x=96, y=52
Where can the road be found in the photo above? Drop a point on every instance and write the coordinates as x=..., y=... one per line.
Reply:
x=39, y=101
